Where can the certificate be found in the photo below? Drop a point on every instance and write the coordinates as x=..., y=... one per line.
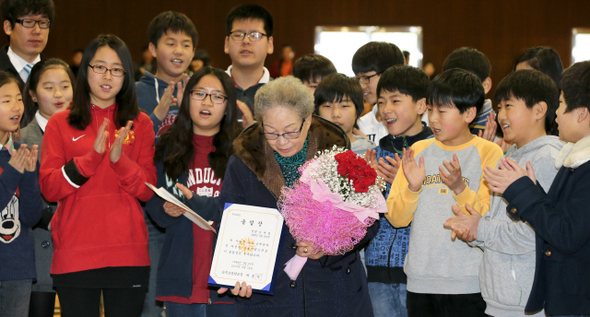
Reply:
x=190, y=214
x=246, y=248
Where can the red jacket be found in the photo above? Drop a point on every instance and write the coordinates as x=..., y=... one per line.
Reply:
x=99, y=221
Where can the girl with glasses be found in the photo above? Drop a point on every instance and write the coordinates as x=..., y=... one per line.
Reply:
x=97, y=157
x=191, y=159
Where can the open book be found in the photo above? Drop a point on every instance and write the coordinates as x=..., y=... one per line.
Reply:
x=190, y=214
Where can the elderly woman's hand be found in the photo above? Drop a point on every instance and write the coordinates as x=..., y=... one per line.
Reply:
x=306, y=250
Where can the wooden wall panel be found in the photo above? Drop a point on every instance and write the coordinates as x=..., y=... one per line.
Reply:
x=501, y=28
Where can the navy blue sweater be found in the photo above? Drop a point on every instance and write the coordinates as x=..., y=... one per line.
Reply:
x=19, y=214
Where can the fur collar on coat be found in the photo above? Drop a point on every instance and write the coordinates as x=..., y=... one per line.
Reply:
x=573, y=155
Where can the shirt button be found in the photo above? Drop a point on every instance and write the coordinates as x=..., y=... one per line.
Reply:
x=513, y=210
x=548, y=253
x=293, y=284
x=347, y=270
x=45, y=244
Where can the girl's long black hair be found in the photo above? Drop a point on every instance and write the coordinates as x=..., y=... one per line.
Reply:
x=175, y=148
x=127, y=108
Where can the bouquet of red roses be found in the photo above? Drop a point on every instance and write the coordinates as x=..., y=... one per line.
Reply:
x=336, y=199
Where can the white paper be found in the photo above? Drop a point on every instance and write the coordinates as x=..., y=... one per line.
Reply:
x=247, y=247
x=190, y=214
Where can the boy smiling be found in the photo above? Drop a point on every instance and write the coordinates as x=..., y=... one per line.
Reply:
x=425, y=191
x=560, y=215
x=527, y=100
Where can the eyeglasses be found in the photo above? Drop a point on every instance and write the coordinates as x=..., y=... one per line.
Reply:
x=200, y=95
x=115, y=71
x=365, y=80
x=286, y=135
x=253, y=36
x=30, y=23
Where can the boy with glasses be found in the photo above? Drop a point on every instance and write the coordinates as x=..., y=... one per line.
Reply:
x=368, y=63
x=26, y=23
x=248, y=41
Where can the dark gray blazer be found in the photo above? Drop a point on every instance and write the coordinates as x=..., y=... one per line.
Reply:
x=31, y=135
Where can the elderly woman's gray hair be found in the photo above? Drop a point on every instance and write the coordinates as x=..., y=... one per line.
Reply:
x=288, y=92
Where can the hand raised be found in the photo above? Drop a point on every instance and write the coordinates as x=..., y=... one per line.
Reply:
x=247, y=118
x=31, y=160
x=18, y=160
x=388, y=171
x=180, y=90
x=117, y=148
x=453, y=179
x=161, y=110
x=415, y=173
x=100, y=143
x=489, y=133
x=509, y=171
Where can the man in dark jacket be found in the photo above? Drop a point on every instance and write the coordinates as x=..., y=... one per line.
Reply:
x=26, y=23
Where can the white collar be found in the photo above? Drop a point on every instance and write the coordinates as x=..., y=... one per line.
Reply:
x=263, y=80
x=41, y=121
x=18, y=62
x=573, y=155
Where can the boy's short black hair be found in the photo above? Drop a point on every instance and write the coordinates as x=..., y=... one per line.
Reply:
x=171, y=21
x=406, y=79
x=471, y=60
x=377, y=57
x=312, y=67
x=13, y=9
x=544, y=59
x=575, y=85
x=456, y=88
x=334, y=87
x=532, y=87
x=250, y=11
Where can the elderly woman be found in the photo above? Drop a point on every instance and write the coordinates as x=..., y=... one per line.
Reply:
x=267, y=157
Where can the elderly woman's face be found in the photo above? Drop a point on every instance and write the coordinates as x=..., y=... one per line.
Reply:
x=287, y=124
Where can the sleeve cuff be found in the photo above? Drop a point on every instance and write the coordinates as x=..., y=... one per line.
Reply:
x=467, y=196
x=73, y=175
x=520, y=195
x=410, y=196
x=87, y=164
x=155, y=121
x=124, y=166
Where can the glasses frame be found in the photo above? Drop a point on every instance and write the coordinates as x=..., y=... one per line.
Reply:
x=208, y=95
x=365, y=80
x=38, y=22
x=284, y=135
x=242, y=36
x=107, y=70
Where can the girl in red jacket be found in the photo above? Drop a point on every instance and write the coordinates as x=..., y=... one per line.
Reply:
x=96, y=158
